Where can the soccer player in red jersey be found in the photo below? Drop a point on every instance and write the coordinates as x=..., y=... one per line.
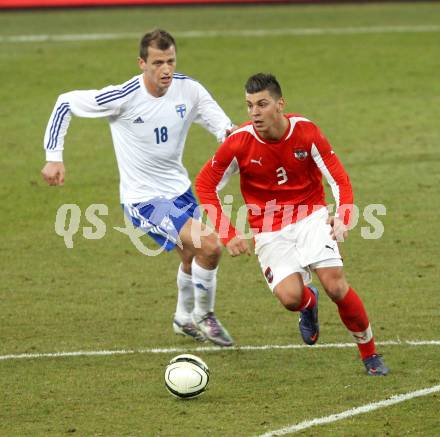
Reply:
x=281, y=159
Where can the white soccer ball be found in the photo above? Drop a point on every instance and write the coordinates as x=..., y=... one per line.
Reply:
x=186, y=376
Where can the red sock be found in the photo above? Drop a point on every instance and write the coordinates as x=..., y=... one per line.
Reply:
x=354, y=317
x=308, y=299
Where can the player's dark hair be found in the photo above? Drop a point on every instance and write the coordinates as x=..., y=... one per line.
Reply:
x=157, y=38
x=262, y=81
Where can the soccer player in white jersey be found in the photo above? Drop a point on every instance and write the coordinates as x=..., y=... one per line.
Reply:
x=149, y=117
x=281, y=159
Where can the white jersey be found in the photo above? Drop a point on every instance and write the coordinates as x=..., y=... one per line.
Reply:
x=148, y=132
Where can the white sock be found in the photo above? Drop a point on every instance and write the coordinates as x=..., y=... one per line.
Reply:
x=205, y=284
x=185, y=296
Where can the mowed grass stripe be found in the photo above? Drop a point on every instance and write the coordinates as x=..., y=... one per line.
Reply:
x=211, y=349
x=227, y=33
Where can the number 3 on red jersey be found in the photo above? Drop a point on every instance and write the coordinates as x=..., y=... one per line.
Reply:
x=282, y=175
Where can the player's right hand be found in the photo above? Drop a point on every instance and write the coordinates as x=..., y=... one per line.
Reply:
x=339, y=231
x=53, y=173
x=237, y=246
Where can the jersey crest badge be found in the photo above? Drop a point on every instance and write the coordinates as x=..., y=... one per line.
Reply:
x=300, y=155
x=269, y=275
x=181, y=110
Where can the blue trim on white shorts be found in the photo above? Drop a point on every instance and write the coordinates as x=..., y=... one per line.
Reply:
x=162, y=219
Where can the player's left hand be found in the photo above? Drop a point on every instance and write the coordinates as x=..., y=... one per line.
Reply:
x=237, y=246
x=229, y=131
x=339, y=231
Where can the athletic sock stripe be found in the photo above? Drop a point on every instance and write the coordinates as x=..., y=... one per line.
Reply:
x=102, y=98
x=62, y=115
x=116, y=97
x=127, y=85
x=363, y=337
x=52, y=141
x=308, y=303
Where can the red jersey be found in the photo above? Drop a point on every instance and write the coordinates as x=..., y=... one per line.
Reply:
x=281, y=182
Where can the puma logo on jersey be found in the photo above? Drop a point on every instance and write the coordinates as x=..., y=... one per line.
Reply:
x=257, y=161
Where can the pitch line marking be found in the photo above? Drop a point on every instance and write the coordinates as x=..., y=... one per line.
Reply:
x=396, y=399
x=30, y=356
x=226, y=33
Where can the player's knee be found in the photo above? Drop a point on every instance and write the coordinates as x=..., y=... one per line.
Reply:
x=211, y=249
x=293, y=304
x=336, y=289
x=289, y=297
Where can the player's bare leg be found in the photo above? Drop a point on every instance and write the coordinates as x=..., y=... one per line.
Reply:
x=292, y=293
x=206, y=249
x=353, y=315
x=202, y=243
x=186, y=256
x=334, y=282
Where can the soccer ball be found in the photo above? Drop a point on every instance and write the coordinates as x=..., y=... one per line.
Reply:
x=186, y=376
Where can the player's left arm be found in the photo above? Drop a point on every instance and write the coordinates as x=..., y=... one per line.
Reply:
x=211, y=116
x=339, y=181
x=207, y=184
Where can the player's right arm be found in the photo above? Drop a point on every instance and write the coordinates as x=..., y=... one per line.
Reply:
x=90, y=104
x=210, y=115
x=207, y=184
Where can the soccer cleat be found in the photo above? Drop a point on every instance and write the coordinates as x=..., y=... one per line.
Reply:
x=375, y=366
x=189, y=330
x=308, y=322
x=213, y=330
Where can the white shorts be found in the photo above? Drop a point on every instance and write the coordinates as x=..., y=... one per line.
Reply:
x=297, y=248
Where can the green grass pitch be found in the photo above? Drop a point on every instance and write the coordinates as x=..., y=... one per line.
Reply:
x=375, y=95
